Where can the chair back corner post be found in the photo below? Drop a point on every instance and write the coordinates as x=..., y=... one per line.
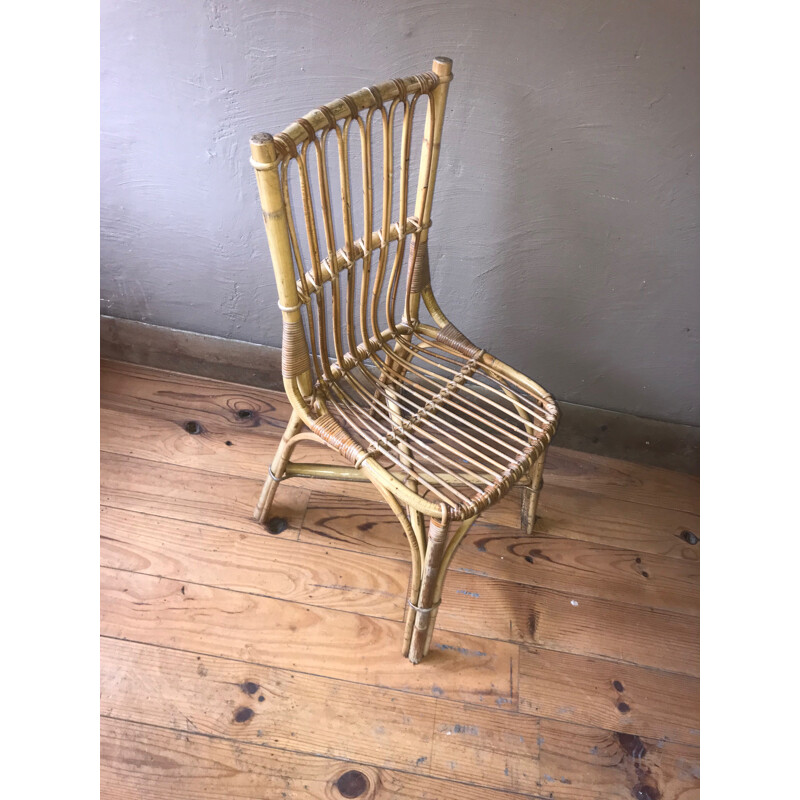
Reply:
x=429, y=162
x=295, y=365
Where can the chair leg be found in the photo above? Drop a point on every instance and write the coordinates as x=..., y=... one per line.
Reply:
x=277, y=468
x=424, y=607
x=449, y=552
x=530, y=497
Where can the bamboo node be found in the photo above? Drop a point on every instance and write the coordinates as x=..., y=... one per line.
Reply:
x=263, y=165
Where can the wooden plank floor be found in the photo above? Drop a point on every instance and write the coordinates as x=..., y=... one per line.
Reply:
x=240, y=664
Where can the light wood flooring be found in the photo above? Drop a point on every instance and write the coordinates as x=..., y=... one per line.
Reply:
x=242, y=664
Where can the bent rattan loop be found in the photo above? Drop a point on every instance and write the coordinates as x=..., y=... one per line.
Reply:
x=329, y=116
x=285, y=146
x=440, y=427
x=308, y=128
x=351, y=105
x=376, y=95
x=402, y=89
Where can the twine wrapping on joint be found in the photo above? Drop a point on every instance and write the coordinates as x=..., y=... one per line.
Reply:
x=329, y=430
x=421, y=275
x=294, y=353
x=425, y=610
x=272, y=475
x=452, y=337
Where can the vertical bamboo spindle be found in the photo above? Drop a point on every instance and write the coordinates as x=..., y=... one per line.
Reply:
x=434, y=120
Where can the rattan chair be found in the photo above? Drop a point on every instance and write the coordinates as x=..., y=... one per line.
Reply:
x=439, y=426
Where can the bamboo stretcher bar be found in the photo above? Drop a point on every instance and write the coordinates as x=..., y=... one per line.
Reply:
x=301, y=469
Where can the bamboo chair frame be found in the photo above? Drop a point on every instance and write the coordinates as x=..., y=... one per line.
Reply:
x=439, y=426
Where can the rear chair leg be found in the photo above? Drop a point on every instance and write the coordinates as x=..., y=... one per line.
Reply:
x=277, y=469
x=531, y=492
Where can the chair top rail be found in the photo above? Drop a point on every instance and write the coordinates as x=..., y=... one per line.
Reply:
x=326, y=116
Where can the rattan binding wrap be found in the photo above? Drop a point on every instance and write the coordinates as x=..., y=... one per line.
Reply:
x=451, y=336
x=294, y=352
x=421, y=274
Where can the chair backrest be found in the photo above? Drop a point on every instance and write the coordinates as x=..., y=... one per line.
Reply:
x=334, y=189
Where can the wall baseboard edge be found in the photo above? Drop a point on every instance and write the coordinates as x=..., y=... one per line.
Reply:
x=593, y=430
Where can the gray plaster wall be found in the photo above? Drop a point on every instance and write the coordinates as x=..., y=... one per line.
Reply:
x=566, y=228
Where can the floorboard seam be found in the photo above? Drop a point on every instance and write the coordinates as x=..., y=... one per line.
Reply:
x=345, y=759
x=442, y=625
x=429, y=697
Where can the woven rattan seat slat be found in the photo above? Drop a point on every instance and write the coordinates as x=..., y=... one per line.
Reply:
x=431, y=398
x=442, y=428
x=380, y=442
x=416, y=416
x=468, y=407
x=411, y=410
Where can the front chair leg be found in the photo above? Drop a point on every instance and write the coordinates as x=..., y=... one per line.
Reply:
x=424, y=607
x=277, y=468
x=531, y=492
x=449, y=552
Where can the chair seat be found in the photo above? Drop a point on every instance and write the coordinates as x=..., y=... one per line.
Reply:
x=448, y=420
